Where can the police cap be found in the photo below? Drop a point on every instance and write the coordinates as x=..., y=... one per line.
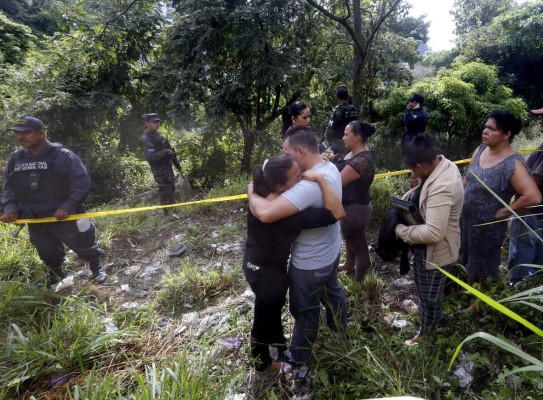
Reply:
x=416, y=97
x=27, y=123
x=152, y=117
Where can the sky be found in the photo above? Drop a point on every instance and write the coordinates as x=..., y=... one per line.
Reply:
x=441, y=22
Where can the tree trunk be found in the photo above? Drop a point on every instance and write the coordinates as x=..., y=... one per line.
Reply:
x=358, y=63
x=249, y=139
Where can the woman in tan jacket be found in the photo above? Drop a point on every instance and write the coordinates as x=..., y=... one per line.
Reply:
x=436, y=242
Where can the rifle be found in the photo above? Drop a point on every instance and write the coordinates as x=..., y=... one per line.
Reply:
x=176, y=163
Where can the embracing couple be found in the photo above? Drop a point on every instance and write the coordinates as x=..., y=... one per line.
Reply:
x=297, y=217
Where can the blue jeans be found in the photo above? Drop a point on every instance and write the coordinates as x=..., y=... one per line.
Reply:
x=308, y=290
x=525, y=247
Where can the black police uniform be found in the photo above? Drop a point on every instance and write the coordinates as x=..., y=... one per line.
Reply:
x=340, y=117
x=36, y=186
x=414, y=121
x=155, y=148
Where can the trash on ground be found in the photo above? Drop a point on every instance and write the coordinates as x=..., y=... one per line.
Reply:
x=151, y=269
x=130, y=304
x=395, y=321
x=227, y=247
x=125, y=287
x=131, y=270
x=110, y=326
x=58, y=379
x=231, y=342
x=463, y=372
x=177, y=251
x=410, y=306
x=63, y=284
x=236, y=396
x=404, y=281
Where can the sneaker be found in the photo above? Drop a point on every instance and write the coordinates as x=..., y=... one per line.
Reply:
x=99, y=275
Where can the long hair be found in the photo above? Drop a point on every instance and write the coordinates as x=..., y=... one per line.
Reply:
x=292, y=110
x=270, y=174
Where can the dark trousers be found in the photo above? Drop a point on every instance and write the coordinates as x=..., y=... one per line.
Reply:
x=308, y=290
x=50, y=238
x=353, y=229
x=166, y=187
x=270, y=287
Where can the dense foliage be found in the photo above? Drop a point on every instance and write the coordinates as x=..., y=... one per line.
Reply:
x=220, y=72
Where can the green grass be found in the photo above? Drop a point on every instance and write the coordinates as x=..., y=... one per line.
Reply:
x=156, y=354
x=191, y=286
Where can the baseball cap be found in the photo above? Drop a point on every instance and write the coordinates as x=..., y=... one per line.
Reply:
x=27, y=123
x=539, y=111
x=416, y=97
x=152, y=117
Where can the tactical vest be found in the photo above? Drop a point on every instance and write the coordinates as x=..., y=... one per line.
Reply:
x=340, y=117
x=159, y=143
x=40, y=178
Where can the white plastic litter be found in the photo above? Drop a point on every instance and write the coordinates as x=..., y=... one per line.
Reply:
x=110, y=326
x=63, y=284
x=399, y=323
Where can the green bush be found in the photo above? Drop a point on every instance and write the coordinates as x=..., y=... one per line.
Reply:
x=382, y=190
x=116, y=176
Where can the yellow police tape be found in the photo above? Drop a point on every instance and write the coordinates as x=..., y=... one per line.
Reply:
x=97, y=214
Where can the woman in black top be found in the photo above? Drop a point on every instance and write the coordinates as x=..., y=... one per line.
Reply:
x=357, y=170
x=267, y=250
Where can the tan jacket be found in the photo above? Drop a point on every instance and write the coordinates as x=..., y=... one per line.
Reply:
x=441, y=201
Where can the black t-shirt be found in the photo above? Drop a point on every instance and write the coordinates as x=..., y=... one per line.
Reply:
x=268, y=245
x=358, y=191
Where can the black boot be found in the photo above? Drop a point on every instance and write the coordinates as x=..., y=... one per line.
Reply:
x=99, y=275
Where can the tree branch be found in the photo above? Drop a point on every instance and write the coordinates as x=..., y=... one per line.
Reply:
x=106, y=25
x=342, y=21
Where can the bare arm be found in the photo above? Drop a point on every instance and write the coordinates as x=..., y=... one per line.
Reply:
x=348, y=175
x=268, y=211
x=331, y=201
x=528, y=193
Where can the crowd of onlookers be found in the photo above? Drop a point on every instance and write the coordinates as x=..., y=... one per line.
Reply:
x=294, y=239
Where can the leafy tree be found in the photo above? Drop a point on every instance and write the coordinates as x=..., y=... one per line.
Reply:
x=458, y=101
x=231, y=66
x=513, y=41
x=87, y=80
x=15, y=41
x=470, y=15
x=364, y=22
x=440, y=59
x=44, y=16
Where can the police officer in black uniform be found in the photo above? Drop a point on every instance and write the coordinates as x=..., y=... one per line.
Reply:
x=45, y=179
x=415, y=117
x=342, y=114
x=161, y=158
